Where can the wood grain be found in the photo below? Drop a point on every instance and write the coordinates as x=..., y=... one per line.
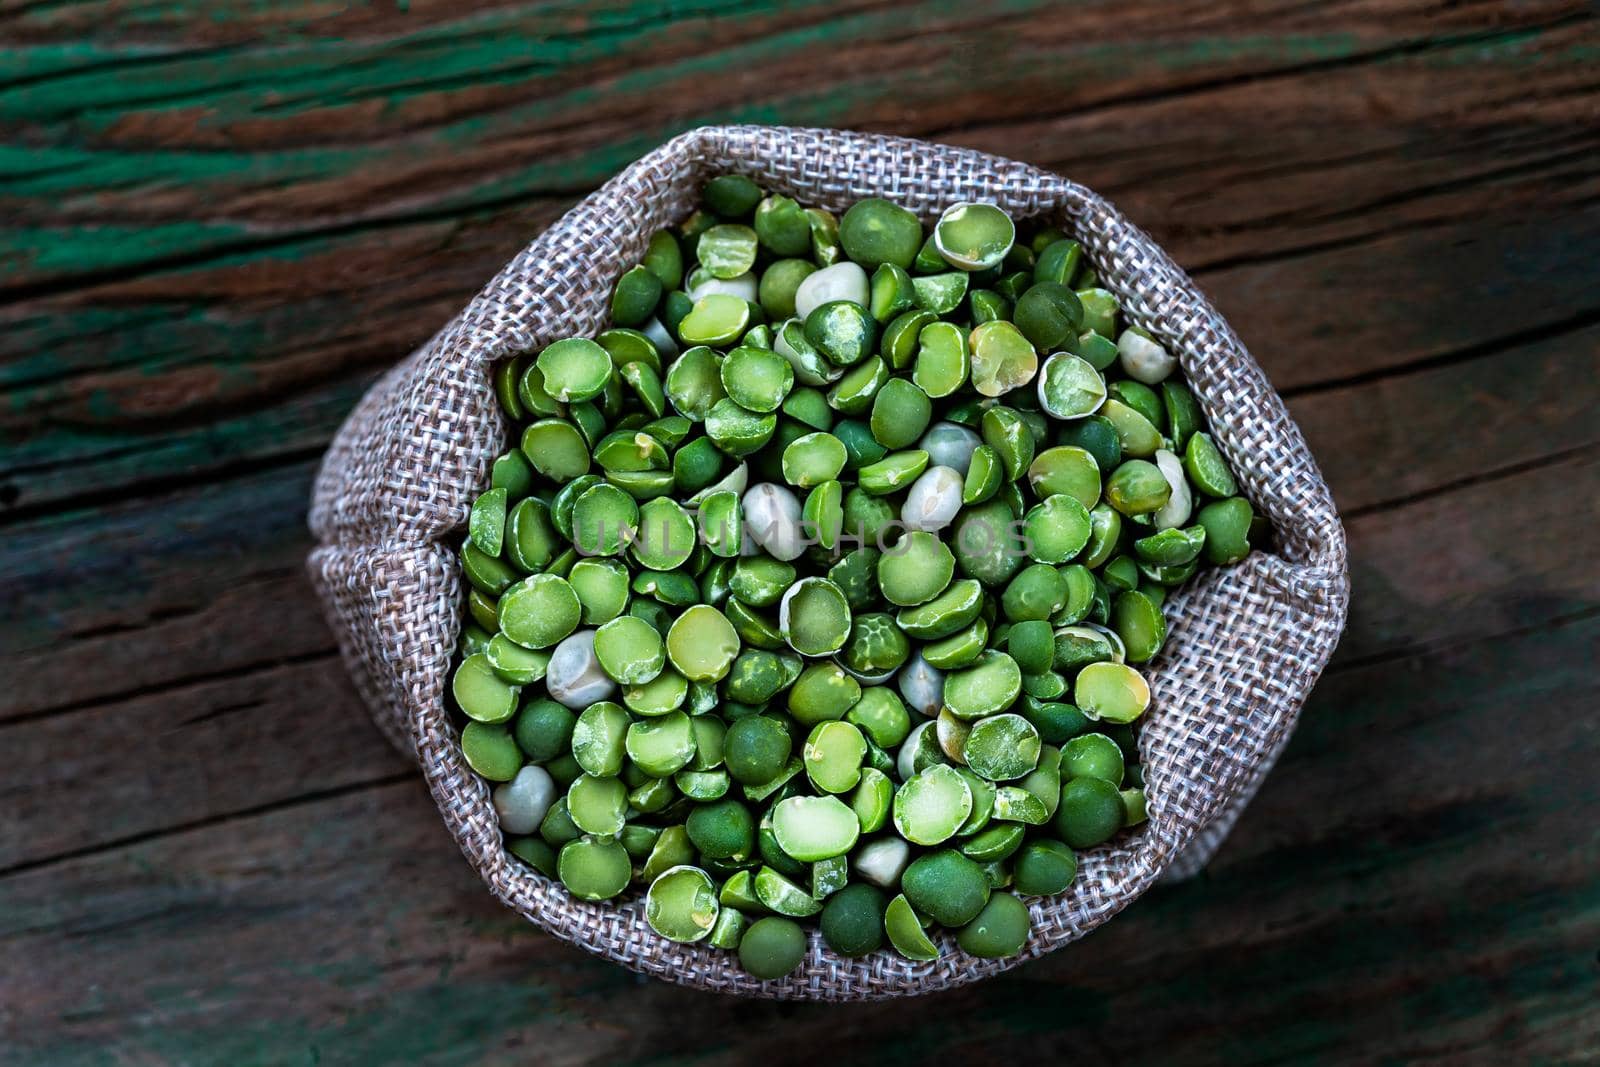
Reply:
x=225, y=220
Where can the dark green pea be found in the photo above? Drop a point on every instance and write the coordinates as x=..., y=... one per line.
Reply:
x=756, y=749
x=645, y=384
x=999, y=930
x=484, y=609
x=588, y=418
x=474, y=640
x=960, y=649
x=1048, y=315
x=636, y=296
x=1013, y=285
x=854, y=393
x=875, y=231
x=1044, y=238
x=1090, y=812
x=876, y=645
x=722, y=830
x=772, y=947
x=664, y=259
x=543, y=729
x=1227, y=526
x=485, y=573
x=1092, y=755
x=759, y=336
x=754, y=629
x=861, y=447
x=1058, y=262
x=1171, y=548
x=675, y=307
x=512, y=472
x=1032, y=644
x=1021, y=257
x=670, y=430
x=852, y=920
x=1105, y=533
x=535, y=853
x=696, y=465
x=1044, y=868
x=941, y=293
x=557, y=827
x=810, y=407
x=506, y=376
x=1100, y=613
x=779, y=283
x=1046, y=686
x=1056, y=722
x=757, y=676
x=1121, y=574
x=928, y=259
x=674, y=588
x=731, y=195
x=1080, y=594
x=1096, y=436
x=948, y=887
x=782, y=226
x=825, y=248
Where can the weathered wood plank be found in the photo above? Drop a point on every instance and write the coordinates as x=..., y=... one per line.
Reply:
x=1500, y=555
x=152, y=592
x=1370, y=882
x=186, y=754
x=1383, y=441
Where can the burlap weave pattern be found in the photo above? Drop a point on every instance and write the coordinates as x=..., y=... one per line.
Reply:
x=1246, y=643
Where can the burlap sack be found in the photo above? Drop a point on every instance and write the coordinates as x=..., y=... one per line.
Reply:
x=1246, y=642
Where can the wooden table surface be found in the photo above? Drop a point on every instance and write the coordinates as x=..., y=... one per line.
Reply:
x=223, y=220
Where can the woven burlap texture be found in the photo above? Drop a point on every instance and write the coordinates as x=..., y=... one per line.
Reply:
x=1246, y=643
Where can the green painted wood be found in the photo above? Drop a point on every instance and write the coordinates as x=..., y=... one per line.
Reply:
x=226, y=219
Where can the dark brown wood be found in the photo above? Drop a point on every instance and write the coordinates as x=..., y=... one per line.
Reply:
x=225, y=223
